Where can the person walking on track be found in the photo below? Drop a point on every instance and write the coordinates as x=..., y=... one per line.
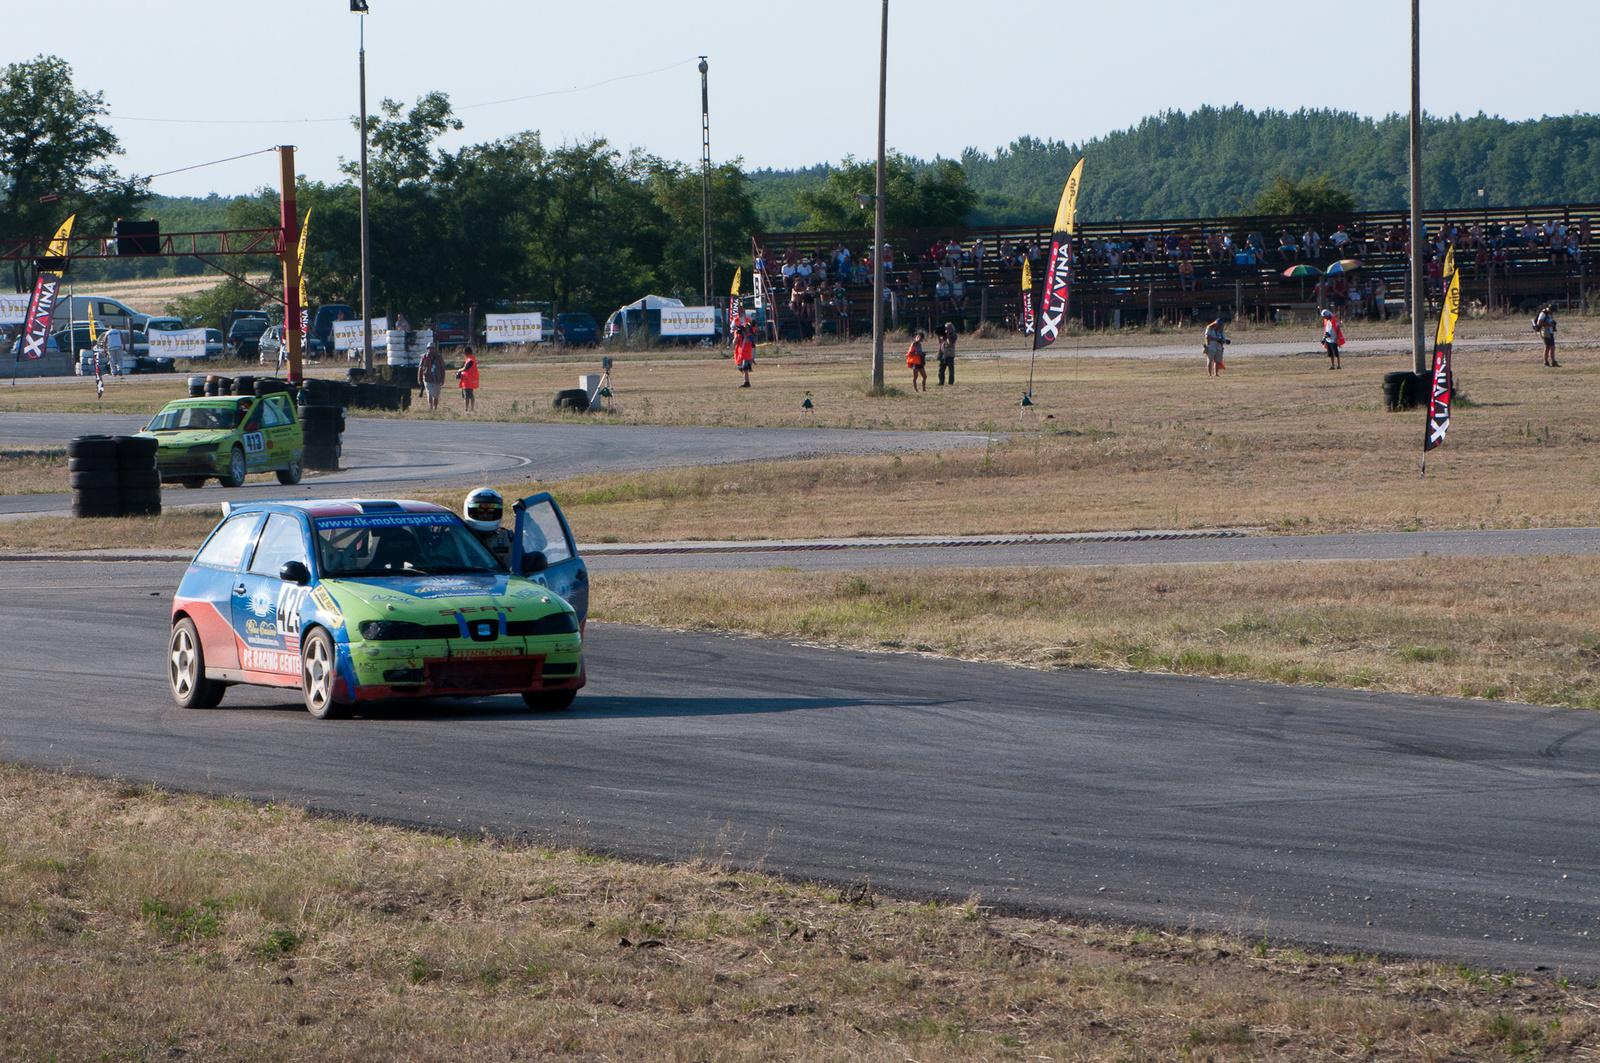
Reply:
x=1332, y=338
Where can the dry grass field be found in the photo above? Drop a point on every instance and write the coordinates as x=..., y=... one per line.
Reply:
x=141, y=924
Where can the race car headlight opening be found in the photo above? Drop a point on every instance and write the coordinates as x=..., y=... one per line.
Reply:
x=554, y=624
x=389, y=630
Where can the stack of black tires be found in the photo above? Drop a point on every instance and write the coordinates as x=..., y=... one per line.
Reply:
x=1405, y=390
x=323, y=429
x=114, y=476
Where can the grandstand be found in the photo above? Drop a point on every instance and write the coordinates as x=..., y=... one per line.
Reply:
x=1128, y=272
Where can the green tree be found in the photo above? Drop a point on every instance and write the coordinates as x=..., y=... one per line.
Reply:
x=1309, y=195
x=52, y=145
x=677, y=190
x=212, y=307
x=915, y=195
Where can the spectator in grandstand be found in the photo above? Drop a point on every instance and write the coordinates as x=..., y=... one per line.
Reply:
x=841, y=307
x=787, y=270
x=1173, y=244
x=1186, y=276
x=888, y=257
x=1312, y=244
x=1186, y=248
x=977, y=256
x=1380, y=299
x=1214, y=247
x=1288, y=247
x=1353, y=299
x=914, y=282
x=826, y=311
x=761, y=258
x=1583, y=230
x=1530, y=232
x=1339, y=239
x=1258, y=248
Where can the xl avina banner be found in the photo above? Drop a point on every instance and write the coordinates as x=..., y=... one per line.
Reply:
x=36, y=327
x=1027, y=297
x=1058, y=280
x=1443, y=381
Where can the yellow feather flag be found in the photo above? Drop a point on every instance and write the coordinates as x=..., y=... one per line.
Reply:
x=1449, y=263
x=94, y=329
x=1027, y=275
x=300, y=255
x=1069, y=201
x=738, y=275
x=58, y=243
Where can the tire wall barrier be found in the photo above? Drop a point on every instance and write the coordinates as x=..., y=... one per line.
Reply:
x=1405, y=390
x=323, y=428
x=114, y=476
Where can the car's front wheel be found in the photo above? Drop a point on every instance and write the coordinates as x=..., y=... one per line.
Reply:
x=551, y=701
x=317, y=671
x=186, y=669
x=237, y=469
x=291, y=475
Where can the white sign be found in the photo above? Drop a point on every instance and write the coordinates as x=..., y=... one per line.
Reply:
x=14, y=308
x=347, y=335
x=514, y=328
x=187, y=343
x=688, y=321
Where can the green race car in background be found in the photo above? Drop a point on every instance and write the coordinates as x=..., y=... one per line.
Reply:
x=227, y=438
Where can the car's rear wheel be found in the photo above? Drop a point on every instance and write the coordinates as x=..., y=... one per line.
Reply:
x=549, y=701
x=237, y=469
x=317, y=673
x=291, y=475
x=186, y=669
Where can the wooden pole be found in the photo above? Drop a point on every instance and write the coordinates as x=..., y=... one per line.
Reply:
x=1418, y=300
x=289, y=219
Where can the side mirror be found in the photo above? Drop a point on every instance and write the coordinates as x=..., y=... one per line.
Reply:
x=534, y=561
x=295, y=572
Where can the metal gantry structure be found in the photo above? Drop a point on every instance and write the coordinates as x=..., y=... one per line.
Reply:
x=705, y=184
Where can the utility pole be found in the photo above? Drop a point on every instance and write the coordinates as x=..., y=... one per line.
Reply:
x=705, y=185
x=1419, y=298
x=877, y=221
x=289, y=219
x=360, y=7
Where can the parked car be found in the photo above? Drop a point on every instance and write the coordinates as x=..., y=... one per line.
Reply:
x=326, y=315
x=227, y=438
x=244, y=336
x=452, y=330
x=272, y=340
x=165, y=324
x=354, y=600
x=107, y=312
x=577, y=330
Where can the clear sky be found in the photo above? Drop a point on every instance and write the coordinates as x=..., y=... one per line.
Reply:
x=189, y=82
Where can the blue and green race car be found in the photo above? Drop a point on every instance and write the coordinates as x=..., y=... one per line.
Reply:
x=357, y=600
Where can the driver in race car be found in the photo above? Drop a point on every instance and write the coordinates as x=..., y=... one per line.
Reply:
x=482, y=511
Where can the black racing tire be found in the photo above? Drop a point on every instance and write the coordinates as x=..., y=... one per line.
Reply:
x=238, y=468
x=193, y=482
x=94, y=482
x=91, y=465
x=186, y=669
x=571, y=399
x=96, y=509
x=101, y=448
x=317, y=670
x=244, y=385
x=320, y=457
x=549, y=700
x=290, y=476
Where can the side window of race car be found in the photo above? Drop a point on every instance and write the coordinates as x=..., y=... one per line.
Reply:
x=227, y=544
x=272, y=413
x=281, y=542
x=542, y=531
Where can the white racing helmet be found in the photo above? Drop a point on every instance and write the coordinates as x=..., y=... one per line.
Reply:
x=483, y=509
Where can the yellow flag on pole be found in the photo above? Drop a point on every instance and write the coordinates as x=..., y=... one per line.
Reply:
x=300, y=255
x=58, y=243
x=738, y=275
x=1068, y=209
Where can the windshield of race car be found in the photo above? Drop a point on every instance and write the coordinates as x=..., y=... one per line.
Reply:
x=185, y=418
x=404, y=544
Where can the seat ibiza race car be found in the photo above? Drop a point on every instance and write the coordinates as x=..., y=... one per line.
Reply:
x=356, y=600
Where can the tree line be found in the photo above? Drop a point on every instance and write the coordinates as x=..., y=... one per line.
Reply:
x=586, y=226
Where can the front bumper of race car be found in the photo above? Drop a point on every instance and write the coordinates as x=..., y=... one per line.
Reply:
x=370, y=671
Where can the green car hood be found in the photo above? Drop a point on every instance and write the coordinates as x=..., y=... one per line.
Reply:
x=432, y=599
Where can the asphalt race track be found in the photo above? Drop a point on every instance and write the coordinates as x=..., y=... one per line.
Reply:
x=1456, y=829
x=388, y=457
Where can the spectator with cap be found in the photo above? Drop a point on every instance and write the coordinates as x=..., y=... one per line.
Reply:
x=947, y=354
x=430, y=375
x=1332, y=338
x=467, y=378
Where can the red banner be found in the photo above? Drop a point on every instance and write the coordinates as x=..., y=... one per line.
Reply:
x=1057, y=291
x=40, y=310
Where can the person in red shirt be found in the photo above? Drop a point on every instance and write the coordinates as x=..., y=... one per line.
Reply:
x=1332, y=338
x=744, y=352
x=918, y=363
x=467, y=377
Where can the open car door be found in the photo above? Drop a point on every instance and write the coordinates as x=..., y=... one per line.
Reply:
x=541, y=527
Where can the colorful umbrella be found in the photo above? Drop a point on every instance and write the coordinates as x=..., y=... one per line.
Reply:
x=1345, y=265
x=1301, y=270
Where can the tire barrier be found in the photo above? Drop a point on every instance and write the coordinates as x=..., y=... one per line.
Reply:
x=197, y=387
x=323, y=429
x=114, y=476
x=571, y=399
x=244, y=385
x=268, y=386
x=213, y=385
x=224, y=385
x=386, y=387
x=1404, y=390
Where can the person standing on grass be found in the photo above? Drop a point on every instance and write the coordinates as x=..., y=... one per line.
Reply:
x=1214, y=344
x=467, y=378
x=1332, y=338
x=918, y=363
x=744, y=352
x=947, y=354
x=1545, y=326
x=430, y=374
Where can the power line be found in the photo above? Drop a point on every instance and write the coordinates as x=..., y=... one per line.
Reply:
x=464, y=107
